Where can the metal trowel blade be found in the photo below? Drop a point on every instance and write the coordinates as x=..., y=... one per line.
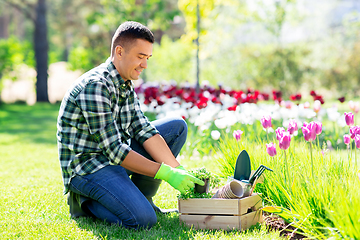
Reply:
x=242, y=166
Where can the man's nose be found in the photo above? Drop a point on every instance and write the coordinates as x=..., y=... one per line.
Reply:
x=143, y=63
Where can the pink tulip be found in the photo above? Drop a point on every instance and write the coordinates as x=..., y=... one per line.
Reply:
x=309, y=131
x=349, y=118
x=317, y=106
x=266, y=122
x=271, y=149
x=354, y=130
x=357, y=141
x=284, y=142
x=237, y=134
x=318, y=127
x=292, y=126
x=354, y=106
x=347, y=139
x=306, y=105
x=356, y=109
x=279, y=132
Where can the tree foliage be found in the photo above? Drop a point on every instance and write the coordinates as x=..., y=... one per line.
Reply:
x=242, y=42
x=14, y=53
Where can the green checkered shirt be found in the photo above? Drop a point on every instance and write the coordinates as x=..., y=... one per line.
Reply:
x=98, y=116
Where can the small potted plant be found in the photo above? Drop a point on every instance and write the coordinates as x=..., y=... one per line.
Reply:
x=203, y=175
x=210, y=181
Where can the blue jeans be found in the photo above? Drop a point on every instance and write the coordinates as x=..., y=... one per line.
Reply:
x=114, y=197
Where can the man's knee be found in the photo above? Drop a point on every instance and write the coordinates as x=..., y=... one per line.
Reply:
x=180, y=123
x=145, y=220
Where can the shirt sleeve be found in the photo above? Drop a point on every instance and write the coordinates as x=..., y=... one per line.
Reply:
x=95, y=103
x=141, y=127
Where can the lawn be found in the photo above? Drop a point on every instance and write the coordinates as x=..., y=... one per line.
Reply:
x=32, y=205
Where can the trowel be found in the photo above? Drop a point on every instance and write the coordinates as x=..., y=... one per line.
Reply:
x=243, y=171
x=242, y=166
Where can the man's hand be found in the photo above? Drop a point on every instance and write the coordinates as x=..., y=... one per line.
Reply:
x=177, y=178
x=181, y=167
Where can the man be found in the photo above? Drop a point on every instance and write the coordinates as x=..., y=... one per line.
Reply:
x=103, y=137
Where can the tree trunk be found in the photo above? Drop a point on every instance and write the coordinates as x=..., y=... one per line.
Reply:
x=41, y=52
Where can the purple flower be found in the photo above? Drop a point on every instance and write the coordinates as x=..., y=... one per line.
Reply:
x=284, y=142
x=279, y=132
x=347, y=139
x=318, y=129
x=292, y=127
x=309, y=131
x=349, y=118
x=237, y=134
x=271, y=149
x=266, y=122
x=354, y=130
x=357, y=141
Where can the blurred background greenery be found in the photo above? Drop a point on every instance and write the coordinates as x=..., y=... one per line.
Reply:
x=288, y=45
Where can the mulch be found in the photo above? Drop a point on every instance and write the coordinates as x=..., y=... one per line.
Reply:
x=276, y=223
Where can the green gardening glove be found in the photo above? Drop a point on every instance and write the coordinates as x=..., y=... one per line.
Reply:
x=181, y=167
x=179, y=179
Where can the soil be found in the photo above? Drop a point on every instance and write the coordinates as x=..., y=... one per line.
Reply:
x=276, y=223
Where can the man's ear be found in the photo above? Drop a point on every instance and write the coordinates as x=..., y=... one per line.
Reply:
x=119, y=51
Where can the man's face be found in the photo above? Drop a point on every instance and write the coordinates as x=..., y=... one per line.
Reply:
x=132, y=60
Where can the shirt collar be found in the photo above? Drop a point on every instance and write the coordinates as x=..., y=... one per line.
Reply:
x=116, y=78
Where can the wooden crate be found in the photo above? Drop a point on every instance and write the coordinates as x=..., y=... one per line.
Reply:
x=221, y=213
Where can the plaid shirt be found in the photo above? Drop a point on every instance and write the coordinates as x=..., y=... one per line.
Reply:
x=98, y=116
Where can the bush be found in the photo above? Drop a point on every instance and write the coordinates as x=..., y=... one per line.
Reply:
x=13, y=53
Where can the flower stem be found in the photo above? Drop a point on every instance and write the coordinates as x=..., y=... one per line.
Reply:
x=312, y=163
x=267, y=135
x=318, y=142
x=348, y=148
x=355, y=158
x=287, y=170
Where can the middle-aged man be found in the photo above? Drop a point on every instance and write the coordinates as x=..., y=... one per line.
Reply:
x=103, y=137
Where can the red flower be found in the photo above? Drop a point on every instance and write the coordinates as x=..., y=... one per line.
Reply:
x=265, y=96
x=159, y=101
x=232, y=108
x=341, y=99
x=313, y=93
x=201, y=104
x=320, y=98
x=215, y=100
x=295, y=97
x=277, y=95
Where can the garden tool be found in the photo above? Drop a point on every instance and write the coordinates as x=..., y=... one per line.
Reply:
x=243, y=172
x=242, y=166
x=256, y=175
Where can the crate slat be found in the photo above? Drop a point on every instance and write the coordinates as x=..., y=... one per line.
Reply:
x=209, y=206
x=211, y=221
x=221, y=213
x=222, y=222
x=250, y=219
x=219, y=206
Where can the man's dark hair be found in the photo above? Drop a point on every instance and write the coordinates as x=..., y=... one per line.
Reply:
x=127, y=32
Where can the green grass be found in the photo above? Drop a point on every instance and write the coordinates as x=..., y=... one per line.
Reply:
x=322, y=200
x=32, y=205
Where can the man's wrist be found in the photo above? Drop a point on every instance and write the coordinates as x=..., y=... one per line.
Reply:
x=181, y=167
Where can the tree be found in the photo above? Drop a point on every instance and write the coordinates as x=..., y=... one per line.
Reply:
x=37, y=13
x=100, y=22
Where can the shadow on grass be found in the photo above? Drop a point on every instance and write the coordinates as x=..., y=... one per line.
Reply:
x=167, y=227
x=29, y=123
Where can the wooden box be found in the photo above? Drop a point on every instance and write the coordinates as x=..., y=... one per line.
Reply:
x=216, y=213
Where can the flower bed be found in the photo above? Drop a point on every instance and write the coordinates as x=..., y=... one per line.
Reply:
x=315, y=187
